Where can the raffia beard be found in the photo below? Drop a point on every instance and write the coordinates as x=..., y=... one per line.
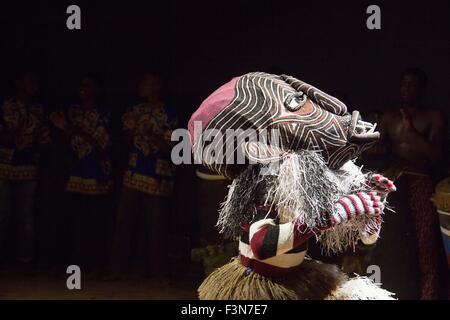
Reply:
x=301, y=188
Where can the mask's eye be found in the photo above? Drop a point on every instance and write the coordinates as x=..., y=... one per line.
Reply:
x=295, y=101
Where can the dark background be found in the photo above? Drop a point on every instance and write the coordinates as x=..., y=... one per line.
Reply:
x=201, y=45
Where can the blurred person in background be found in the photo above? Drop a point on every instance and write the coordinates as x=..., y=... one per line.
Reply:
x=412, y=139
x=148, y=178
x=89, y=183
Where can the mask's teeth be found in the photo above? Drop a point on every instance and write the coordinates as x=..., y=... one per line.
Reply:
x=366, y=123
x=361, y=127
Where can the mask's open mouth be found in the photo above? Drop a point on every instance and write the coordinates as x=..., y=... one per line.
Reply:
x=361, y=131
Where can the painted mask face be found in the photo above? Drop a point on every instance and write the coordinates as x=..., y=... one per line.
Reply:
x=263, y=117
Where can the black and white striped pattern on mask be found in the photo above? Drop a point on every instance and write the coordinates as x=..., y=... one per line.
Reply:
x=258, y=100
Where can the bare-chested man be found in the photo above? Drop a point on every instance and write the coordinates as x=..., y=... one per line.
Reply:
x=413, y=137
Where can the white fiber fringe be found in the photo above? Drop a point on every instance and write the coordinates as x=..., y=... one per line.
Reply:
x=360, y=288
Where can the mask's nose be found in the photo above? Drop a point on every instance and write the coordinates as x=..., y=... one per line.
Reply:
x=361, y=131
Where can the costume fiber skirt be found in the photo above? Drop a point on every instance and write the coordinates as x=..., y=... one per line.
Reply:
x=312, y=280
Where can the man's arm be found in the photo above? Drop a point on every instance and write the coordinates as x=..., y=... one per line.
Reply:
x=128, y=127
x=438, y=133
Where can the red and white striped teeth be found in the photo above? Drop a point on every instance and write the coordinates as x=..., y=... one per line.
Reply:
x=354, y=205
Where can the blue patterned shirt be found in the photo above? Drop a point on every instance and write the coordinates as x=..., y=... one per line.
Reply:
x=149, y=169
x=90, y=169
x=23, y=129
